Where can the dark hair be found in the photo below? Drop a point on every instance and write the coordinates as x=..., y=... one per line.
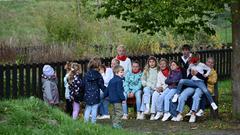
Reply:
x=186, y=47
x=102, y=66
x=136, y=61
x=177, y=63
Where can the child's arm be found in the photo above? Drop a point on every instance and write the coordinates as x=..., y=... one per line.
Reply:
x=143, y=80
x=138, y=86
x=208, y=69
x=213, y=79
x=101, y=83
x=120, y=90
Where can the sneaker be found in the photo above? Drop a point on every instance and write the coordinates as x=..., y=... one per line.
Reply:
x=147, y=110
x=142, y=116
x=152, y=117
x=192, y=119
x=138, y=116
x=189, y=113
x=200, y=113
x=103, y=117
x=214, y=106
x=166, y=116
x=179, y=117
x=175, y=98
x=173, y=119
x=158, y=115
x=124, y=117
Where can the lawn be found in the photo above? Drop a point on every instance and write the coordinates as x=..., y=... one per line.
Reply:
x=32, y=116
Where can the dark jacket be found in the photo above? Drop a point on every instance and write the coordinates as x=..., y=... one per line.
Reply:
x=93, y=83
x=76, y=89
x=184, y=67
x=173, y=79
x=115, y=90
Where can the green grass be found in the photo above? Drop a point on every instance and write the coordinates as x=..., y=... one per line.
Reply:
x=32, y=116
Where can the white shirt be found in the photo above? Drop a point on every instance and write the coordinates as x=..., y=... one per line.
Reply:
x=127, y=65
x=161, y=80
x=200, y=67
x=107, y=76
x=186, y=60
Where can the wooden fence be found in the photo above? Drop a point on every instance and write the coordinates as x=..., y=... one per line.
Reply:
x=25, y=80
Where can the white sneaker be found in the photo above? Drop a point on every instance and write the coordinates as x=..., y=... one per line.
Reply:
x=179, y=117
x=124, y=117
x=189, y=113
x=166, y=116
x=173, y=119
x=142, y=116
x=138, y=116
x=147, y=110
x=158, y=115
x=192, y=119
x=214, y=106
x=103, y=117
x=152, y=117
x=175, y=98
x=200, y=113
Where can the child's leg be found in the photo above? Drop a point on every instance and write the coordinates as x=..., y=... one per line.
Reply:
x=94, y=113
x=202, y=86
x=183, y=98
x=146, y=98
x=87, y=113
x=167, y=99
x=76, y=108
x=124, y=105
x=101, y=105
x=154, y=101
x=161, y=100
x=69, y=106
x=203, y=102
x=186, y=82
x=196, y=99
x=117, y=113
x=138, y=99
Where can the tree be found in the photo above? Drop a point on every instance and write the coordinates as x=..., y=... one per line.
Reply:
x=185, y=16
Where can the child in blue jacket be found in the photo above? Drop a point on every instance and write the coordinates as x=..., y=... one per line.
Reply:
x=115, y=94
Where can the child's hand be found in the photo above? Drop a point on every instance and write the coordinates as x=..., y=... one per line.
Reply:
x=124, y=102
x=130, y=95
x=205, y=75
x=194, y=72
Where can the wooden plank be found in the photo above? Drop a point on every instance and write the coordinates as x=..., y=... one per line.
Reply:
x=8, y=81
x=1, y=81
x=34, y=79
x=21, y=80
x=28, y=82
x=14, y=81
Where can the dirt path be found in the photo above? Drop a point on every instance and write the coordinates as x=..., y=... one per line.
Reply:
x=159, y=127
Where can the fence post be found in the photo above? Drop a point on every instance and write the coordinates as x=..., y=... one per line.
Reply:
x=28, y=82
x=14, y=81
x=34, y=80
x=1, y=81
x=21, y=79
x=8, y=81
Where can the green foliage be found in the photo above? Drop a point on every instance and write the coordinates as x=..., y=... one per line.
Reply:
x=185, y=16
x=32, y=116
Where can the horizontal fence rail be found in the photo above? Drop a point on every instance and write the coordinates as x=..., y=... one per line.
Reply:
x=25, y=80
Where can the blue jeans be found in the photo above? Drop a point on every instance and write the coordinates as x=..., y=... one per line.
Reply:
x=167, y=99
x=91, y=109
x=155, y=101
x=203, y=102
x=195, y=83
x=103, y=106
x=183, y=98
x=147, y=93
x=138, y=101
x=196, y=99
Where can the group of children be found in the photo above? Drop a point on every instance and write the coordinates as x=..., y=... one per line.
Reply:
x=156, y=88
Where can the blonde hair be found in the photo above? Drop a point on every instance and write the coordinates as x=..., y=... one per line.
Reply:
x=94, y=63
x=75, y=69
x=121, y=46
x=117, y=69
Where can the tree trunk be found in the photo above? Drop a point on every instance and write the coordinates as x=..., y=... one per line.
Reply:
x=235, y=9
